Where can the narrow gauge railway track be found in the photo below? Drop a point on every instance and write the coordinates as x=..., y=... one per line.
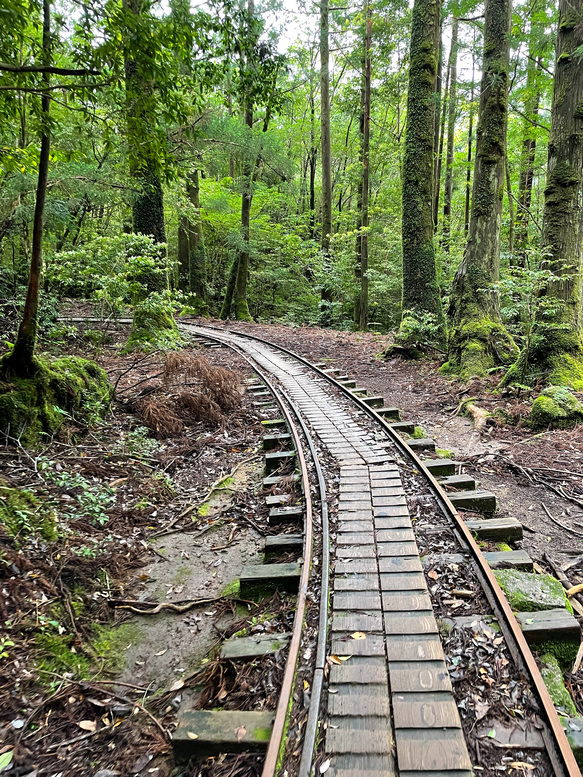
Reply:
x=390, y=709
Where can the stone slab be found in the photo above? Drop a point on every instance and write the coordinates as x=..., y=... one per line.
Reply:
x=510, y=559
x=399, y=564
x=243, y=648
x=202, y=732
x=406, y=602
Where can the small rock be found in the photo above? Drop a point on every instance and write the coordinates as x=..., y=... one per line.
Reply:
x=106, y=773
x=527, y=591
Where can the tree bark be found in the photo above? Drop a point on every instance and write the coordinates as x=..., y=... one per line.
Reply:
x=148, y=205
x=528, y=153
x=20, y=360
x=361, y=317
x=196, y=250
x=326, y=154
x=421, y=295
x=446, y=231
x=469, y=156
x=439, y=151
x=478, y=340
x=555, y=353
x=438, y=99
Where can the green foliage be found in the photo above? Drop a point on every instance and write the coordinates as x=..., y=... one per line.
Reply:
x=24, y=515
x=556, y=407
x=90, y=500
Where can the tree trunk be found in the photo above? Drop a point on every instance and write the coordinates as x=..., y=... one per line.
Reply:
x=148, y=205
x=20, y=360
x=421, y=295
x=438, y=99
x=196, y=251
x=510, y=207
x=528, y=153
x=555, y=353
x=446, y=232
x=469, y=157
x=361, y=318
x=439, y=152
x=478, y=340
x=183, y=253
x=326, y=153
x=241, y=306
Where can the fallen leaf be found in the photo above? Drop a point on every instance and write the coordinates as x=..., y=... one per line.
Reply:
x=481, y=708
x=192, y=735
x=161, y=652
x=240, y=733
x=344, y=658
x=87, y=725
x=492, y=733
x=358, y=635
x=222, y=695
x=521, y=765
x=333, y=660
x=176, y=686
x=325, y=766
x=6, y=759
x=433, y=575
x=306, y=685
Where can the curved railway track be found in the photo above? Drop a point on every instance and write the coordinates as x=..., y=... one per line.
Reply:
x=390, y=709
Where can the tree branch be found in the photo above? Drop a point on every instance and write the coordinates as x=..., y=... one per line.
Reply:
x=59, y=71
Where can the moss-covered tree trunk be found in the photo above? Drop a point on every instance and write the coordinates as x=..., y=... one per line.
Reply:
x=240, y=304
x=421, y=295
x=20, y=361
x=555, y=354
x=448, y=193
x=478, y=341
x=148, y=206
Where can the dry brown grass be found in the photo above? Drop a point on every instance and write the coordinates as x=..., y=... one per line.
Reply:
x=192, y=389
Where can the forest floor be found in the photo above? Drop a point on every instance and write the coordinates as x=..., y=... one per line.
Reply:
x=90, y=686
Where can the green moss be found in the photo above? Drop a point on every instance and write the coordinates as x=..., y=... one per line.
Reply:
x=182, y=575
x=565, y=651
x=231, y=589
x=556, y=407
x=23, y=515
x=418, y=433
x=443, y=453
x=504, y=547
x=263, y=734
x=58, y=655
x=528, y=592
x=111, y=642
x=70, y=387
x=553, y=678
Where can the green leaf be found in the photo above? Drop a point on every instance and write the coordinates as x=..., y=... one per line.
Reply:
x=6, y=760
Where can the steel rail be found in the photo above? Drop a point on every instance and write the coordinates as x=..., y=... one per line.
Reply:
x=565, y=764
x=279, y=725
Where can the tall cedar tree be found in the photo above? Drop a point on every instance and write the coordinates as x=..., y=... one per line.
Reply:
x=478, y=340
x=421, y=296
x=556, y=350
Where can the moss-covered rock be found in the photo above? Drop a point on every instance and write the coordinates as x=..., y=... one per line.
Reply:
x=556, y=407
x=564, y=650
x=22, y=514
x=553, y=677
x=527, y=591
x=58, y=389
x=574, y=731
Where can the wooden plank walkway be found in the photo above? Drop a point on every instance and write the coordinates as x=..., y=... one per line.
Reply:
x=391, y=710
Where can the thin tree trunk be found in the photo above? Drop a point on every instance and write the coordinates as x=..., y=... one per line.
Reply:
x=478, y=340
x=326, y=154
x=183, y=252
x=20, y=361
x=362, y=308
x=528, y=152
x=421, y=294
x=196, y=250
x=556, y=350
x=510, y=208
x=446, y=232
x=439, y=152
x=470, y=140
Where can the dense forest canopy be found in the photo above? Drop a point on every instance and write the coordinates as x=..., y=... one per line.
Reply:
x=327, y=164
